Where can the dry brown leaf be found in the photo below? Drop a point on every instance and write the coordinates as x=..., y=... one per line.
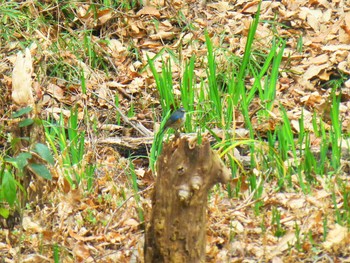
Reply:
x=344, y=32
x=103, y=94
x=347, y=21
x=104, y=15
x=321, y=59
x=324, y=75
x=33, y=258
x=347, y=83
x=237, y=226
x=344, y=66
x=55, y=91
x=29, y=225
x=277, y=260
x=140, y=172
x=154, y=2
x=81, y=252
x=149, y=10
x=151, y=44
x=22, y=93
x=314, y=70
x=251, y=7
x=131, y=222
x=163, y=35
x=337, y=238
x=117, y=48
x=312, y=99
x=339, y=56
x=313, y=17
x=221, y=6
x=335, y=47
x=284, y=243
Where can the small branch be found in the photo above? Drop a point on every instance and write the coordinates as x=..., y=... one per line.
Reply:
x=137, y=126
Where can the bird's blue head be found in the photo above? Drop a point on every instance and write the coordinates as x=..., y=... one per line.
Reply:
x=176, y=119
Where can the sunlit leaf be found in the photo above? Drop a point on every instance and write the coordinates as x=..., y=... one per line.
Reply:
x=22, y=112
x=4, y=212
x=41, y=170
x=19, y=161
x=44, y=152
x=26, y=122
x=9, y=187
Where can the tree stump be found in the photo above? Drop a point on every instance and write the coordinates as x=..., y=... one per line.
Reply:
x=185, y=174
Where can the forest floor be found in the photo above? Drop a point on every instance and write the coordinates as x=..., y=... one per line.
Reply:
x=103, y=224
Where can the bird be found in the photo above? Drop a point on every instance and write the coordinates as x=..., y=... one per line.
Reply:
x=176, y=120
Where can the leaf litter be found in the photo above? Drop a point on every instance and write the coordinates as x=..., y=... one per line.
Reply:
x=103, y=225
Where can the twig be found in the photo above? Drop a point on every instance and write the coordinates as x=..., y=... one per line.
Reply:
x=137, y=126
x=131, y=196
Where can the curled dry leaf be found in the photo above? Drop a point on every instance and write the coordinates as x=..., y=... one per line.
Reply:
x=22, y=93
x=149, y=10
x=221, y=6
x=314, y=70
x=336, y=238
x=105, y=15
x=30, y=225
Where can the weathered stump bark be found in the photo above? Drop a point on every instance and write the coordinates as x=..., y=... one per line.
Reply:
x=185, y=173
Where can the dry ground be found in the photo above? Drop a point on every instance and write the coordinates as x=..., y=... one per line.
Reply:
x=103, y=226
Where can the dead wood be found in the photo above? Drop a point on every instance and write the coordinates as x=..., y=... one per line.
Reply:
x=185, y=174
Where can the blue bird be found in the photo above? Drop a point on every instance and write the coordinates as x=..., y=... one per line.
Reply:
x=176, y=120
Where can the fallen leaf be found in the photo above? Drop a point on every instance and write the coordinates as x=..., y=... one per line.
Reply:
x=104, y=15
x=29, y=225
x=314, y=70
x=22, y=93
x=149, y=10
x=337, y=237
x=220, y=6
